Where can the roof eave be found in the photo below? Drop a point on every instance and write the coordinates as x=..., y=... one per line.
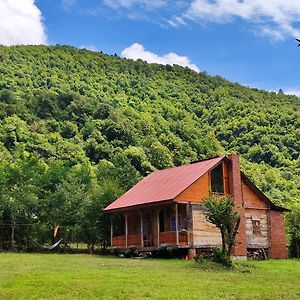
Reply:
x=137, y=206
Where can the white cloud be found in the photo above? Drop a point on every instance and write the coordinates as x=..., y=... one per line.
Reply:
x=176, y=22
x=21, y=23
x=67, y=4
x=292, y=92
x=89, y=47
x=137, y=51
x=275, y=18
x=147, y=4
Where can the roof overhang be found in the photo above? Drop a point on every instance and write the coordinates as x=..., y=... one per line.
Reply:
x=138, y=206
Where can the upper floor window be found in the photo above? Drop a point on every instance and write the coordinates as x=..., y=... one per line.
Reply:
x=256, y=227
x=217, y=182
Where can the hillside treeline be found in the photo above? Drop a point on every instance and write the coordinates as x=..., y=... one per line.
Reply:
x=78, y=128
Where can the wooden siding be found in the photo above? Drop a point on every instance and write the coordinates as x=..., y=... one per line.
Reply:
x=197, y=191
x=226, y=177
x=201, y=187
x=255, y=209
x=257, y=241
x=251, y=199
x=133, y=224
x=205, y=234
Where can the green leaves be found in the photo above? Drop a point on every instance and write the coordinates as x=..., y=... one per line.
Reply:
x=122, y=119
x=220, y=212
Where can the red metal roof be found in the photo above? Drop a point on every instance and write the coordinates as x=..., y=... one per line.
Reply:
x=163, y=185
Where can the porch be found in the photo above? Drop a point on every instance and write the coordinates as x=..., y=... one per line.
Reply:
x=151, y=227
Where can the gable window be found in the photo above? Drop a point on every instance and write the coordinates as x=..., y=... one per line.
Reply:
x=256, y=227
x=217, y=183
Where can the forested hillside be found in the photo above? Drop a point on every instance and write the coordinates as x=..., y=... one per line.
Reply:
x=78, y=128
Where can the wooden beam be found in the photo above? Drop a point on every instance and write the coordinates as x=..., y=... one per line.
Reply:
x=111, y=230
x=157, y=223
x=188, y=223
x=126, y=231
x=142, y=230
x=176, y=224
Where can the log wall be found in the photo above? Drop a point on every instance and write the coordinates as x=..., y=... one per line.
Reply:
x=261, y=240
x=205, y=234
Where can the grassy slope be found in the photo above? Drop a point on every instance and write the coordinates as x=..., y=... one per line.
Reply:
x=36, y=276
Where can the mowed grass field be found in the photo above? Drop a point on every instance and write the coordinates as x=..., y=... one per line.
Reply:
x=59, y=276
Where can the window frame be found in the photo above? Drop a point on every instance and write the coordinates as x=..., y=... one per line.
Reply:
x=223, y=181
x=256, y=227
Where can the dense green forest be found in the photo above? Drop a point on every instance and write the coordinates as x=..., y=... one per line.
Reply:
x=78, y=128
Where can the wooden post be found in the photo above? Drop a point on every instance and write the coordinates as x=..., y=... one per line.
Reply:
x=111, y=230
x=189, y=213
x=176, y=224
x=188, y=220
x=157, y=223
x=142, y=230
x=126, y=231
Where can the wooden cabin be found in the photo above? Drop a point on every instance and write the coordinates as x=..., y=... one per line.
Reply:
x=166, y=208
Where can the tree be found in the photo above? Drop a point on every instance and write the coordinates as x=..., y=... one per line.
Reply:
x=19, y=182
x=219, y=210
x=293, y=220
x=95, y=224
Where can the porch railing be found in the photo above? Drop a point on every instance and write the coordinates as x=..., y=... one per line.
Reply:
x=132, y=240
x=169, y=237
x=119, y=241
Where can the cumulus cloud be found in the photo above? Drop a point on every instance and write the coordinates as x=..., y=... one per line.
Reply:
x=275, y=18
x=21, y=23
x=137, y=51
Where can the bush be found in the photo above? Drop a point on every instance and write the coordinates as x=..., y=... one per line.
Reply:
x=221, y=257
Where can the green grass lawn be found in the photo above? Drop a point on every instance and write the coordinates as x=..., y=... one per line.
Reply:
x=59, y=276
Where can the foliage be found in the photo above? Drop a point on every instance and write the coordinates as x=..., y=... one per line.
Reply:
x=221, y=257
x=293, y=221
x=76, y=120
x=219, y=210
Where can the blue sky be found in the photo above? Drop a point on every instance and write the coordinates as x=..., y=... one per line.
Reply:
x=246, y=41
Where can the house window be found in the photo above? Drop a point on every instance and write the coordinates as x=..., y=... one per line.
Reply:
x=173, y=223
x=256, y=227
x=217, y=183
